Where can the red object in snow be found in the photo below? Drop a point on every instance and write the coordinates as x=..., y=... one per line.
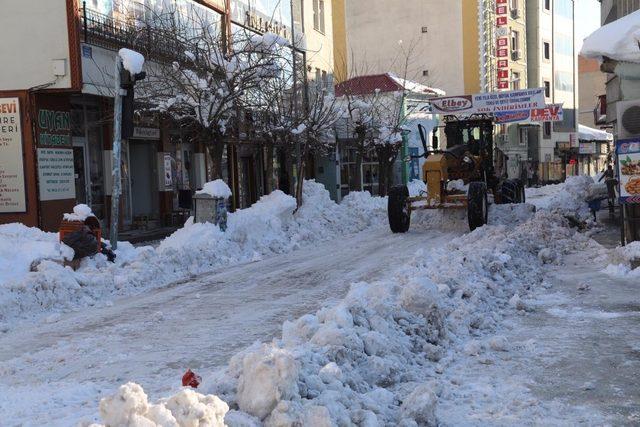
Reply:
x=190, y=379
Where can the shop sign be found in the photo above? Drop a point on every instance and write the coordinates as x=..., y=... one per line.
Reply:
x=55, y=128
x=628, y=155
x=145, y=133
x=56, y=174
x=573, y=140
x=265, y=16
x=503, y=63
x=564, y=146
x=168, y=170
x=502, y=50
x=489, y=103
x=12, y=195
x=586, y=148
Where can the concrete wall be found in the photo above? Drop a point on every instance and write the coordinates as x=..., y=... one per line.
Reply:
x=34, y=34
x=592, y=84
x=379, y=30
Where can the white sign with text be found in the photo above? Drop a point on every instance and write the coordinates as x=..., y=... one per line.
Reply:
x=12, y=195
x=56, y=174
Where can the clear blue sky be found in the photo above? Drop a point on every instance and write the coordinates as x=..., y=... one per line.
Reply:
x=587, y=18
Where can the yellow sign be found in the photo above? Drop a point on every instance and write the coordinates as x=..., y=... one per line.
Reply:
x=12, y=196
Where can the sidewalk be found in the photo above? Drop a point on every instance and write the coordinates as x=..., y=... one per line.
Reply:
x=573, y=354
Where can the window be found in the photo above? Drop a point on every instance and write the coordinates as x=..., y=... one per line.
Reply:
x=425, y=73
x=564, y=9
x=564, y=81
x=515, y=40
x=318, y=79
x=425, y=29
x=547, y=4
x=547, y=50
x=546, y=130
x=547, y=89
x=524, y=136
x=563, y=44
x=325, y=79
x=318, y=15
x=515, y=80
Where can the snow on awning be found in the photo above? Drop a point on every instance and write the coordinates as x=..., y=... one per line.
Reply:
x=617, y=40
x=585, y=133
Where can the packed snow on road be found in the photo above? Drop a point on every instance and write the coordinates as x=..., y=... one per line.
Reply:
x=319, y=317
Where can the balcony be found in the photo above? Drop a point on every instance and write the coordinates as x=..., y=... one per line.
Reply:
x=113, y=34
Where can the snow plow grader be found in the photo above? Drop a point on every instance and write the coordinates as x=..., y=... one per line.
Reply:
x=468, y=157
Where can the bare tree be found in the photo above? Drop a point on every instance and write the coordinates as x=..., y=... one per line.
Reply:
x=206, y=85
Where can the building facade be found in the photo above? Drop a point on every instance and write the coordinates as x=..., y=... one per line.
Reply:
x=381, y=34
x=60, y=79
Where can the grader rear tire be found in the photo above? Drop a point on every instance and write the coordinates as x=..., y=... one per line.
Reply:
x=398, y=210
x=510, y=192
x=477, y=205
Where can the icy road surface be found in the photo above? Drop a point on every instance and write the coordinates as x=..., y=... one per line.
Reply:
x=55, y=373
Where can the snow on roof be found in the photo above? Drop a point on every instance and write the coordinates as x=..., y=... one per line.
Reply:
x=366, y=85
x=132, y=61
x=585, y=133
x=414, y=87
x=617, y=40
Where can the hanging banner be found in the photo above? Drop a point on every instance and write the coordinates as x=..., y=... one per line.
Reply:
x=490, y=103
x=12, y=194
x=550, y=113
x=628, y=155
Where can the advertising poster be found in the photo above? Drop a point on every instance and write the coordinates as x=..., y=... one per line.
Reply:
x=12, y=194
x=628, y=154
x=56, y=174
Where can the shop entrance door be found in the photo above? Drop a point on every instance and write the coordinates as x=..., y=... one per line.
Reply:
x=142, y=165
x=81, y=172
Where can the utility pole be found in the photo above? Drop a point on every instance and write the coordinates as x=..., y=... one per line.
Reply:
x=115, y=170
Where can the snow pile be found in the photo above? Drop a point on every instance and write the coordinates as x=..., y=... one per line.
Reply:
x=268, y=227
x=132, y=61
x=21, y=248
x=130, y=407
x=417, y=187
x=80, y=213
x=622, y=259
x=617, y=40
x=216, y=189
x=569, y=198
x=375, y=357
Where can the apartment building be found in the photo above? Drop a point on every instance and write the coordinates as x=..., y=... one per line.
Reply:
x=60, y=79
x=382, y=34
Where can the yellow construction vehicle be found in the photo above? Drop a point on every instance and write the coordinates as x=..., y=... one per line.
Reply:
x=468, y=157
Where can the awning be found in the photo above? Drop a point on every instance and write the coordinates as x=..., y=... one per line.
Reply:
x=585, y=133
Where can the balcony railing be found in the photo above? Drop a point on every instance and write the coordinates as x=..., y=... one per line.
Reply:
x=112, y=33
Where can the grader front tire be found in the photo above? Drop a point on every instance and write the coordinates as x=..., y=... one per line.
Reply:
x=398, y=209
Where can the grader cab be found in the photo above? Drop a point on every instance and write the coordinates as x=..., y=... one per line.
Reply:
x=469, y=158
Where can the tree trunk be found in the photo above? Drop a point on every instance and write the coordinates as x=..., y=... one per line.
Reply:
x=301, y=173
x=216, y=151
x=358, y=177
x=269, y=181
